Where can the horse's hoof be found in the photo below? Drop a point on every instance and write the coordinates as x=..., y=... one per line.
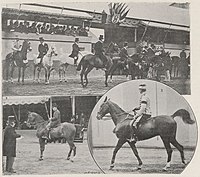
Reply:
x=68, y=158
x=184, y=162
x=111, y=166
x=46, y=83
x=40, y=159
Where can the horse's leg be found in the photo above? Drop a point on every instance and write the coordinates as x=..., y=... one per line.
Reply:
x=19, y=73
x=60, y=73
x=82, y=73
x=23, y=72
x=134, y=149
x=42, y=148
x=72, y=148
x=166, y=141
x=64, y=73
x=90, y=67
x=180, y=148
x=112, y=70
x=11, y=73
x=117, y=147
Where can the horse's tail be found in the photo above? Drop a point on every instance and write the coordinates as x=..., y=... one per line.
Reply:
x=185, y=115
x=80, y=64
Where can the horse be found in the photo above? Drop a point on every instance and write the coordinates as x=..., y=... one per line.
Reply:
x=67, y=129
x=66, y=61
x=19, y=61
x=163, y=126
x=90, y=61
x=47, y=64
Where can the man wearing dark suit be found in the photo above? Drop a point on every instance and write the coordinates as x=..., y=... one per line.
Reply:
x=99, y=51
x=124, y=54
x=75, y=50
x=42, y=49
x=9, y=144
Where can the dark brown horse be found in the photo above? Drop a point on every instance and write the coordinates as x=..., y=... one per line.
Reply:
x=163, y=126
x=90, y=61
x=67, y=129
x=20, y=60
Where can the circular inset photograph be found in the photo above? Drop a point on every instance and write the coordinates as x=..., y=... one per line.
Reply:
x=140, y=127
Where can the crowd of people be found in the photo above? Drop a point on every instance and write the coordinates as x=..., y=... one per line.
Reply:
x=44, y=28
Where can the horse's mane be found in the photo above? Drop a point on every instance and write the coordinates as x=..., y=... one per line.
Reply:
x=116, y=106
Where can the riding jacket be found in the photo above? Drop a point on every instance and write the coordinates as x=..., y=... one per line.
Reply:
x=123, y=54
x=42, y=49
x=98, y=47
x=75, y=50
x=56, y=119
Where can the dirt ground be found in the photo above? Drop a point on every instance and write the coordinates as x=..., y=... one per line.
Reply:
x=96, y=86
x=153, y=160
x=55, y=161
x=55, y=156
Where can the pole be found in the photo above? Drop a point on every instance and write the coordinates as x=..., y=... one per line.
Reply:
x=73, y=105
x=50, y=106
x=46, y=110
x=135, y=35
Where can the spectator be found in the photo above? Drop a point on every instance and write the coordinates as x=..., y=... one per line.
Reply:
x=26, y=27
x=73, y=119
x=32, y=28
x=9, y=144
x=63, y=29
x=11, y=26
x=43, y=28
x=48, y=29
x=16, y=25
x=20, y=27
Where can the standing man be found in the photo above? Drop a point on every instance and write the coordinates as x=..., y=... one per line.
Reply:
x=142, y=112
x=75, y=50
x=99, y=51
x=16, y=47
x=9, y=144
x=183, y=54
x=42, y=49
x=124, y=55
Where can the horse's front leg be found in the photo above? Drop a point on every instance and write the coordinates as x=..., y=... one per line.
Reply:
x=42, y=148
x=19, y=73
x=117, y=147
x=134, y=149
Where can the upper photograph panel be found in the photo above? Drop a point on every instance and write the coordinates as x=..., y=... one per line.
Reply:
x=77, y=48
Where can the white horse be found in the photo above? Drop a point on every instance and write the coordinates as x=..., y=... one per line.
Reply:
x=65, y=61
x=47, y=64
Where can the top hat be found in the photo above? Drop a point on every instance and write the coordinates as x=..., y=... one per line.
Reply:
x=125, y=44
x=76, y=39
x=100, y=37
x=54, y=105
x=41, y=39
x=142, y=86
x=11, y=119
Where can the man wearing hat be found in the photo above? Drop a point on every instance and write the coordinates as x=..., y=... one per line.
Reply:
x=9, y=143
x=54, y=122
x=16, y=47
x=183, y=54
x=75, y=50
x=124, y=54
x=142, y=112
x=99, y=51
x=42, y=49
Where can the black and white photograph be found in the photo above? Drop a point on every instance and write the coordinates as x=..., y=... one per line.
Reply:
x=50, y=135
x=98, y=87
x=142, y=127
x=87, y=48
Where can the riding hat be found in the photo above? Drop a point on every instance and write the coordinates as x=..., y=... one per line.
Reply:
x=100, y=37
x=41, y=39
x=11, y=119
x=125, y=44
x=142, y=86
x=54, y=105
x=76, y=39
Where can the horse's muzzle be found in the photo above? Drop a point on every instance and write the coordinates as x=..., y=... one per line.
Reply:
x=99, y=116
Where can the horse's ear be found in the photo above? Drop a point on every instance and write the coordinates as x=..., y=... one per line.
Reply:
x=105, y=99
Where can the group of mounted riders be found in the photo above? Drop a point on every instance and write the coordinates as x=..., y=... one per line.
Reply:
x=150, y=61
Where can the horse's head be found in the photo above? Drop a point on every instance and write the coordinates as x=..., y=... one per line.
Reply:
x=33, y=119
x=52, y=51
x=26, y=46
x=103, y=110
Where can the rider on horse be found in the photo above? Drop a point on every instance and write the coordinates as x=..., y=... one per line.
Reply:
x=99, y=51
x=75, y=50
x=42, y=49
x=124, y=54
x=54, y=122
x=16, y=47
x=142, y=112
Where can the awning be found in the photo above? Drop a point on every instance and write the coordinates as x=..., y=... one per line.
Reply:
x=166, y=26
x=19, y=100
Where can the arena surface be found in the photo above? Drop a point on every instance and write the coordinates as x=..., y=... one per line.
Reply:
x=73, y=86
x=55, y=162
